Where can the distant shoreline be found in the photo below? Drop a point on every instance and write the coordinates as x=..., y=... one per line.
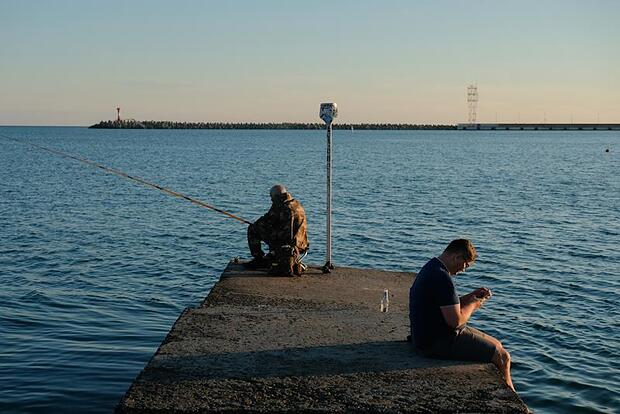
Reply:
x=133, y=124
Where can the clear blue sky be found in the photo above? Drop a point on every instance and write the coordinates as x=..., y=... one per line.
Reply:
x=73, y=62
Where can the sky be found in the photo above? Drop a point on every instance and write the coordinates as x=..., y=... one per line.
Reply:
x=73, y=62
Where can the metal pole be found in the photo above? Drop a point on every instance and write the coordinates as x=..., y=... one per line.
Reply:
x=327, y=113
x=328, y=250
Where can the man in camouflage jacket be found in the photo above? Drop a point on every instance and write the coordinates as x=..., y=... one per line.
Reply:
x=284, y=229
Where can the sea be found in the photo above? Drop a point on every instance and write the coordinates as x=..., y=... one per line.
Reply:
x=95, y=269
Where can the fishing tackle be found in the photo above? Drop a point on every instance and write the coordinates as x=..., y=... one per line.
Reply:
x=130, y=177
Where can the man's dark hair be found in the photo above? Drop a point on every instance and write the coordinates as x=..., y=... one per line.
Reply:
x=463, y=247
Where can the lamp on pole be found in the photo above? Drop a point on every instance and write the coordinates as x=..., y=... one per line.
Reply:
x=327, y=113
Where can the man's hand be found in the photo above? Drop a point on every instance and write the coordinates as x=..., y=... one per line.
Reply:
x=482, y=293
x=476, y=296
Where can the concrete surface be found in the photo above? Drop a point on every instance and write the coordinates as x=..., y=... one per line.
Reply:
x=316, y=343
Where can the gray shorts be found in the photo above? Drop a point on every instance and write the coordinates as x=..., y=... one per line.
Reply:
x=469, y=344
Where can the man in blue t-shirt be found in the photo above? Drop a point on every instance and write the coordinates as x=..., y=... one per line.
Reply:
x=438, y=315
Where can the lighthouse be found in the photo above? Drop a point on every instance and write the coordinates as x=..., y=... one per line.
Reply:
x=118, y=114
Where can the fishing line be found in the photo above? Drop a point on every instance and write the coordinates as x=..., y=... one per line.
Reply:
x=129, y=177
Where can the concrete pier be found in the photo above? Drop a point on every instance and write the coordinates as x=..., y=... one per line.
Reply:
x=315, y=343
x=539, y=127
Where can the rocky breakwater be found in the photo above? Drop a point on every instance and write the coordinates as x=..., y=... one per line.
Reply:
x=119, y=124
x=315, y=343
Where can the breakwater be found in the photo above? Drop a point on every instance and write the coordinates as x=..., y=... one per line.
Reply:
x=133, y=124
x=317, y=343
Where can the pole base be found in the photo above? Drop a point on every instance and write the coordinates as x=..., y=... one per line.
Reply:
x=328, y=267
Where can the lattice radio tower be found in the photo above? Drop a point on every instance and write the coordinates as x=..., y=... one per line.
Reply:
x=472, y=103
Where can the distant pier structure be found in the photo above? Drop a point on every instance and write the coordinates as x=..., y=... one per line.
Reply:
x=538, y=127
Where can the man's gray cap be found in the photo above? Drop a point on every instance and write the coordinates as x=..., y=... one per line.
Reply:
x=277, y=190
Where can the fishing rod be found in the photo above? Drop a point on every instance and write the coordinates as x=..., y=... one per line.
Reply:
x=129, y=177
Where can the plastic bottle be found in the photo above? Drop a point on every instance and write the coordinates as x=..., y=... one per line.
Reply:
x=385, y=301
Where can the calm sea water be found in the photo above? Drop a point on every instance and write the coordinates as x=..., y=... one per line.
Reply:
x=95, y=269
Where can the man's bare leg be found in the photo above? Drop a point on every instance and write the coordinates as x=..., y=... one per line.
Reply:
x=501, y=359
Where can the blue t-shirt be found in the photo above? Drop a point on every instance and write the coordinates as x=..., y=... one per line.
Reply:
x=431, y=289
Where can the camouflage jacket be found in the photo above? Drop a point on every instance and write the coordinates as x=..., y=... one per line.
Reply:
x=286, y=224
